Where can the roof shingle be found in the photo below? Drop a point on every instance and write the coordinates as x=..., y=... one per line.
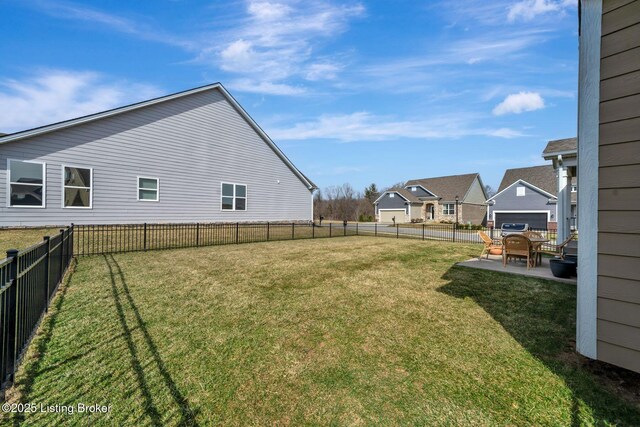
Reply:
x=447, y=187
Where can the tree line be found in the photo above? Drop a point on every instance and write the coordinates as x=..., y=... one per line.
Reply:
x=343, y=202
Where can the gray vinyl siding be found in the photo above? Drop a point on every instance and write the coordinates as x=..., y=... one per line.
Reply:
x=618, y=312
x=533, y=200
x=395, y=202
x=192, y=144
x=476, y=194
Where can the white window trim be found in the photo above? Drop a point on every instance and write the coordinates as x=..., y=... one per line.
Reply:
x=73, y=186
x=444, y=208
x=157, y=199
x=44, y=184
x=246, y=197
x=521, y=191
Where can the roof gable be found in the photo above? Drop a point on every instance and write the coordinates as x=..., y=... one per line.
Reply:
x=21, y=135
x=542, y=177
x=406, y=195
x=525, y=183
x=447, y=187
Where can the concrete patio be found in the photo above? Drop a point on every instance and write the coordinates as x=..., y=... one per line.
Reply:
x=494, y=263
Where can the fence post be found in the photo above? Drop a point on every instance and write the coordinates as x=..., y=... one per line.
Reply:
x=47, y=267
x=12, y=330
x=344, y=225
x=313, y=230
x=357, y=234
x=422, y=231
x=293, y=231
x=455, y=226
x=375, y=229
x=237, y=232
x=62, y=253
x=144, y=240
x=329, y=229
x=72, y=234
x=267, y=231
x=397, y=231
x=197, y=234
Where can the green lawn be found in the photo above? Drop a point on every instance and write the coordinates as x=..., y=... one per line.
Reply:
x=22, y=238
x=349, y=331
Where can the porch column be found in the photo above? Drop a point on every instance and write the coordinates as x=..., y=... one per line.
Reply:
x=564, y=203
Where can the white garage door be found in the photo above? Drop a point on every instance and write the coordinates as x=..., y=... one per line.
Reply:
x=387, y=216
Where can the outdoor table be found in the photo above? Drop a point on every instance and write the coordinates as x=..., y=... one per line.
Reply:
x=536, y=242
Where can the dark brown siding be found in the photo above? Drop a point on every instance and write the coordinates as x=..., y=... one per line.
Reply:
x=619, y=186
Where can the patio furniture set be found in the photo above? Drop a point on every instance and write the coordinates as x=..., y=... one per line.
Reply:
x=530, y=246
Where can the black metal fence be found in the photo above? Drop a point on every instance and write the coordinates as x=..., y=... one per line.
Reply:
x=114, y=238
x=28, y=280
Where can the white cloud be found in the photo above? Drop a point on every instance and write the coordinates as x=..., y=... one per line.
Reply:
x=520, y=102
x=527, y=10
x=364, y=126
x=277, y=41
x=266, y=88
x=67, y=10
x=56, y=95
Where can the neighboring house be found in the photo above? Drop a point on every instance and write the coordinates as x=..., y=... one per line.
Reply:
x=434, y=199
x=190, y=156
x=526, y=195
x=563, y=153
x=608, y=316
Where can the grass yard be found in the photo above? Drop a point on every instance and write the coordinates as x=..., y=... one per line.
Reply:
x=22, y=238
x=350, y=331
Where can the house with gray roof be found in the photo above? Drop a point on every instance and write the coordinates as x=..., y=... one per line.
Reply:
x=563, y=154
x=435, y=200
x=526, y=195
x=192, y=156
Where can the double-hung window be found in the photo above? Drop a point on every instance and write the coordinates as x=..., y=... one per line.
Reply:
x=77, y=187
x=449, y=209
x=234, y=197
x=26, y=184
x=148, y=189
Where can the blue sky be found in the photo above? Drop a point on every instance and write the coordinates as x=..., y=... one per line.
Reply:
x=359, y=92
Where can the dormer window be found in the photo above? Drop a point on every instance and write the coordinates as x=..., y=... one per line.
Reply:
x=413, y=188
x=391, y=195
x=520, y=191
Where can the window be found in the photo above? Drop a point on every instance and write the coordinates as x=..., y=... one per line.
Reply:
x=234, y=197
x=520, y=191
x=449, y=209
x=413, y=188
x=574, y=188
x=148, y=189
x=26, y=184
x=77, y=184
x=391, y=195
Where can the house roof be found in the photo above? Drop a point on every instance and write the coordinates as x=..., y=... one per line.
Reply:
x=21, y=135
x=543, y=177
x=447, y=187
x=405, y=194
x=561, y=146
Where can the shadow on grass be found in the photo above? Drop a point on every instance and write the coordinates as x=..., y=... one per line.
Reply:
x=24, y=382
x=120, y=288
x=540, y=315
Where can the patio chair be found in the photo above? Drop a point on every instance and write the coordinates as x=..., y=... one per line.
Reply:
x=536, y=246
x=517, y=246
x=556, y=250
x=489, y=244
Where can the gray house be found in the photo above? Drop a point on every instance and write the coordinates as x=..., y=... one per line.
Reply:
x=190, y=156
x=434, y=199
x=526, y=195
